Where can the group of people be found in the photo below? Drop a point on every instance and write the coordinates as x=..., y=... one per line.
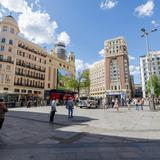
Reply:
x=69, y=105
x=139, y=102
x=115, y=103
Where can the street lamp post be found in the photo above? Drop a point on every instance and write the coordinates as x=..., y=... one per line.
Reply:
x=149, y=59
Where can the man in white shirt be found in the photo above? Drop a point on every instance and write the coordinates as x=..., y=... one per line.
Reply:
x=53, y=109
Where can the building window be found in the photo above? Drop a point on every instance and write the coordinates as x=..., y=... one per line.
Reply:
x=3, y=40
x=6, y=89
x=29, y=91
x=48, y=85
x=2, y=48
x=8, y=67
x=16, y=90
x=11, y=42
x=10, y=49
x=12, y=30
x=5, y=29
x=23, y=91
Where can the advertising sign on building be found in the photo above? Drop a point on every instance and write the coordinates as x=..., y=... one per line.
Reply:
x=62, y=77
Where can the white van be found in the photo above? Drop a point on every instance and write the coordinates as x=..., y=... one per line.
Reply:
x=88, y=102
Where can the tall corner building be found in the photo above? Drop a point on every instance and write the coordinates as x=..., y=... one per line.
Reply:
x=117, y=75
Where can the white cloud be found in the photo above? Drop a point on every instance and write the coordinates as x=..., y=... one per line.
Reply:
x=18, y=7
x=134, y=70
x=63, y=37
x=131, y=58
x=101, y=52
x=35, y=25
x=154, y=23
x=81, y=65
x=145, y=9
x=108, y=4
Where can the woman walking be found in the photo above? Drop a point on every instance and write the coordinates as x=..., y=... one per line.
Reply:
x=116, y=105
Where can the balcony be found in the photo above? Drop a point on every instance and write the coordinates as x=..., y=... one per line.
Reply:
x=6, y=60
x=30, y=76
x=31, y=50
x=28, y=85
x=30, y=66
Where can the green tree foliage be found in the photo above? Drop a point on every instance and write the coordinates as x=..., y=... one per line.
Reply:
x=156, y=85
x=81, y=81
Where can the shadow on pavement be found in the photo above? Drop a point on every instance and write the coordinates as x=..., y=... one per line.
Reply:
x=29, y=135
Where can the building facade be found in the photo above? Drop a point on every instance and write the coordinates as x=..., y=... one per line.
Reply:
x=25, y=67
x=97, y=79
x=154, y=60
x=117, y=75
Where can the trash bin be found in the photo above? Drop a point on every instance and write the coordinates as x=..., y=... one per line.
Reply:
x=151, y=104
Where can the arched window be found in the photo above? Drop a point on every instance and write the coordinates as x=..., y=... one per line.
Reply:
x=10, y=42
x=3, y=40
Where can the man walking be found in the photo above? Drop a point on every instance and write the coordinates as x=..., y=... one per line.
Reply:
x=3, y=110
x=70, y=107
x=53, y=109
x=104, y=103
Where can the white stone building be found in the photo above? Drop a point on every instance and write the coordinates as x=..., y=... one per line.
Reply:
x=145, y=71
x=97, y=86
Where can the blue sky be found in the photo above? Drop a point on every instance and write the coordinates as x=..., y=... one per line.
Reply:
x=85, y=24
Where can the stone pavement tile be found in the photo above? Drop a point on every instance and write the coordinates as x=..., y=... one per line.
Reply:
x=87, y=140
x=110, y=156
x=14, y=154
x=48, y=141
x=88, y=156
x=65, y=156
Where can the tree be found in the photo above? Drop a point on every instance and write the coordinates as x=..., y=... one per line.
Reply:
x=156, y=85
x=80, y=81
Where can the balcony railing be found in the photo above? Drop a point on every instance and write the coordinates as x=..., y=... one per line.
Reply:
x=28, y=85
x=30, y=76
x=30, y=66
x=31, y=50
x=6, y=60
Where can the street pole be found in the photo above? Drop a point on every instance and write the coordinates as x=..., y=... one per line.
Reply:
x=149, y=60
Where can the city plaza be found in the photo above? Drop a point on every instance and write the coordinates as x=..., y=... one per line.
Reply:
x=29, y=72
x=92, y=134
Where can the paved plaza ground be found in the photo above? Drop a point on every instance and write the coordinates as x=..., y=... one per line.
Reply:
x=93, y=134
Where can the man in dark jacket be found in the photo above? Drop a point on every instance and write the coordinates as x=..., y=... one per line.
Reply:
x=3, y=110
x=70, y=107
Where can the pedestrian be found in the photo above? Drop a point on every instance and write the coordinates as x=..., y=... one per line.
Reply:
x=136, y=101
x=53, y=109
x=142, y=103
x=104, y=103
x=113, y=103
x=116, y=104
x=3, y=110
x=70, y=107
x=129, y=103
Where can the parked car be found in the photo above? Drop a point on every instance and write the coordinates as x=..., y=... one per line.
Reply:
x=88, y=102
